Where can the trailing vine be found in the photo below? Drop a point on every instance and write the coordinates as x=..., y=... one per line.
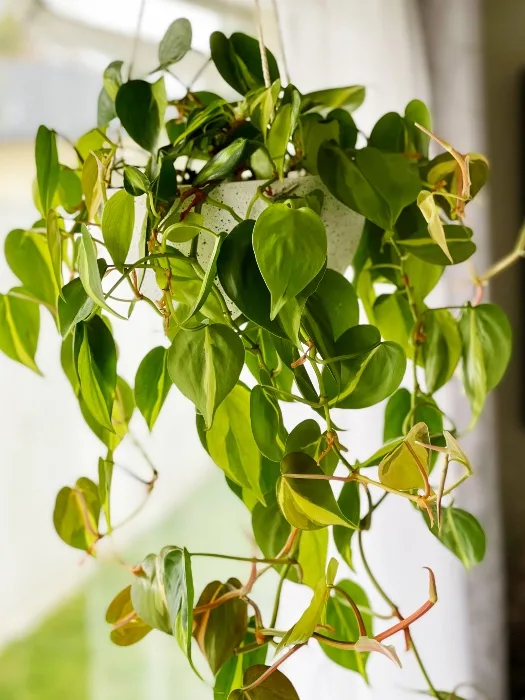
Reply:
x=136, y=212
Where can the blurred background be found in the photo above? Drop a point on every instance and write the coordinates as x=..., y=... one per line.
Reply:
x=466, y=59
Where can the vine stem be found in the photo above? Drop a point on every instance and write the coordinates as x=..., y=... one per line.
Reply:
x=273, y=668
x=396, y=613
x=251, y=560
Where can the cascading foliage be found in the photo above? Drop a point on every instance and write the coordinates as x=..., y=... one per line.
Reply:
x=294, y=323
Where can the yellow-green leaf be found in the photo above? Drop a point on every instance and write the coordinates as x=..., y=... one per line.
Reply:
x=427, y=206
x=399, y=469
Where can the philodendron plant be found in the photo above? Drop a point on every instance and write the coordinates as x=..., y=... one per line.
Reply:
x=128, y=213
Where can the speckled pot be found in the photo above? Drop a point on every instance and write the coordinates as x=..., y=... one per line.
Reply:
x=343, y=226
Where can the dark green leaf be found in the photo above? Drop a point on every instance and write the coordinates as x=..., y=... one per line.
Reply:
x=205, y=366
x=394, y=319
x=422, y=245
x=441, y=348
x=223, y=163
x=230, y=440
x=334, y=304
x=179, y=593
x=76, y=514
x=138, y=111
x=307, y=504
x=341, y=618
x=350, y=97
x=176, y=43
x=397, y=409
x=19, y=329
x=416, y=112
x=267, y=424
x=238, y=60
x=47, y=167
x=307, y=437
x=152, y=384
x=278, y=236
x=221, y=630
x=263, y=340
x=275, y=687
x=388, y=133
x=96, y=363
x=377, y=185
x=136, y=182
x=348, y=131
x=314, y=130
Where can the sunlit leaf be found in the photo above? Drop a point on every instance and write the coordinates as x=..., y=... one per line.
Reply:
x=76, y=514
x=19, y=329
x=402, y=468
x=118, y=221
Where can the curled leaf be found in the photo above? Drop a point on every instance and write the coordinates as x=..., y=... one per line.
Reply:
x=364, y=644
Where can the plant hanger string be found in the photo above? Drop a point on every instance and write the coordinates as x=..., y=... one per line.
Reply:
x=262, y=48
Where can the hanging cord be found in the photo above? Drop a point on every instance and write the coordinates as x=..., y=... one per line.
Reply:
x=264, y=57
x=281, y=42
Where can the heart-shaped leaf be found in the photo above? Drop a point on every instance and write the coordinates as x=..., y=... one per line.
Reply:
x=138, y=111
x=76, y=514
x=267, y=424
x=128, y=628
x=118, y=221
x=19, y=329
x=205, y=365
x=290, y=249
x=402, y=468
x=275, y=687
x=152, y=384
x=176, y=42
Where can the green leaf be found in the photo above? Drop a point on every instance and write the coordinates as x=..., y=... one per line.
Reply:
x=96, y=363
x=221, y=630
x=123, y=407
x=341, y=618
x=136, y=182
x=128, y=627
x=176, y=43
x=230, y=440
x=152, y=384
x=399, y=469
x=184, y=231
x=76, y=514
x=262, y=339
x=375, y=184
x=69, y=189
x=427, y=205
x=27, y=254
x=463, y=535
x=113, y=79
x=443, y=171
x=138, y=111
x=54, y=227
x=394, y=319
x=105, y=109
x=105, y=477
x=242, y=281
x=118, y=221
x=388, y=134
x=307, y=504
x=148, y=592
x=19, y=329
x=350, y=97
x=205, y=365
x=74, y=306
x=282, y=129
x=267, y=424
x=372, y=375
x=314, y=131
x=349, y=504
x=314, y=614
x=222, y=165
x=441, y=348
x=278, y=236
x=397, y=409
x=416, y=112
x=262, y=107
x=208, y=280
x=422, y=245
x=307, y=437
x=178, y=586
x=334, y=304
x=487, y=345
x=89, y=272
x=47, y=167
x=238, y=60
x=422, y=277
x=275, y=687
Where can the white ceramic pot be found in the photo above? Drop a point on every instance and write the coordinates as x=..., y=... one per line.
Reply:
x=343, y=226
